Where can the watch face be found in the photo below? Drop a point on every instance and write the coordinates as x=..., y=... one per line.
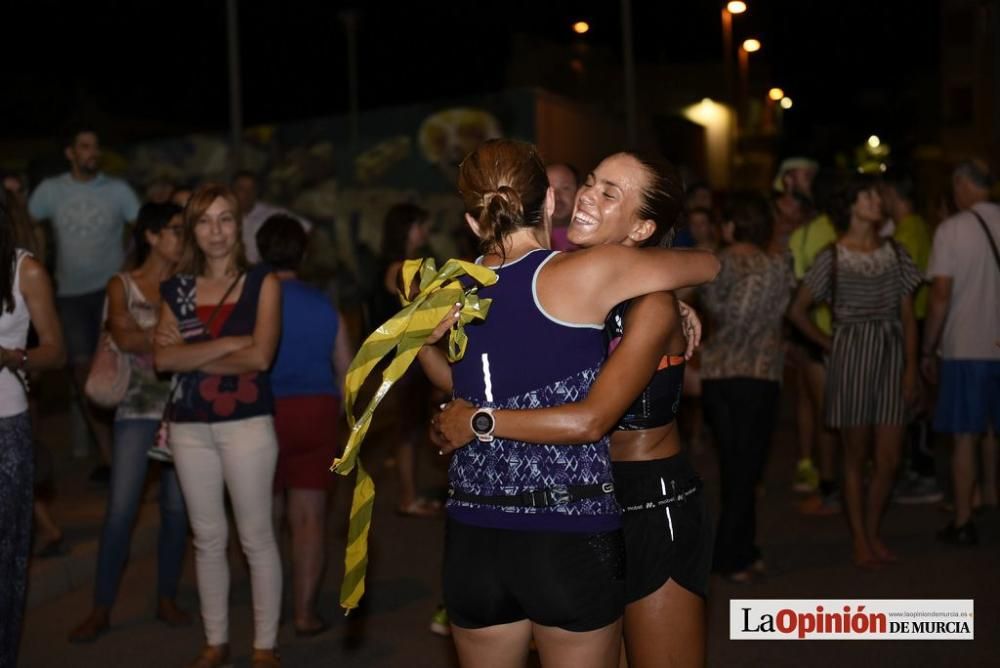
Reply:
x=482, y=423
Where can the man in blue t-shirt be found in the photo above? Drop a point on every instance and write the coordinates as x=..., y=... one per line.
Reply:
x=88, y=211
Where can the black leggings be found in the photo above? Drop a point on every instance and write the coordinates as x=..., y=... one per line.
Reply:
x=16, y=482
x=741, y=412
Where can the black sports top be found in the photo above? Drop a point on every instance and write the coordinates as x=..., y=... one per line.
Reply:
x=659, y=402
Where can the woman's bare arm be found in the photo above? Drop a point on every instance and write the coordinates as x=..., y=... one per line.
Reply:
x=50, y=353
x=436, y=367
x=798, y=315
x=172, y=353
x=343, y=353
x=259, y=355
x=603, y=276
x=126, y=333
x=433, y=360
x=626, y=373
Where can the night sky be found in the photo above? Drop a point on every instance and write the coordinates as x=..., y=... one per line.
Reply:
x=157, y=68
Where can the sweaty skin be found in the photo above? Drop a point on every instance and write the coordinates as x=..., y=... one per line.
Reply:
x=651, y=331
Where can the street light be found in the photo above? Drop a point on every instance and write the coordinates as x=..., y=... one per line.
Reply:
x=775, y=94
x=731, y=9
x=874, y=141
x=786, y=103
x=581, y=27
x=743, y=61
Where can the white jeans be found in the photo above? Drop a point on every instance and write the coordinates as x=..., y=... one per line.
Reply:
x=239, y=456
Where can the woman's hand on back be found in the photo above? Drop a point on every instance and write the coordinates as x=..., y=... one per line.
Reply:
x=452, y=427
x=691, y=324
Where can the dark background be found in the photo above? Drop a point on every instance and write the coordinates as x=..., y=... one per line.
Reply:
x=156, y=68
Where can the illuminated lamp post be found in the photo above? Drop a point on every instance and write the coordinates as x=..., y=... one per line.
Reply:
x=749, y=46
x=731, y=9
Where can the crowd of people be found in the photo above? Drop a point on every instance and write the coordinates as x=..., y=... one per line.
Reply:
x=576, y=518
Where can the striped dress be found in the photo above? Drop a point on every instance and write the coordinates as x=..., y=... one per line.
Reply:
x=865, y=371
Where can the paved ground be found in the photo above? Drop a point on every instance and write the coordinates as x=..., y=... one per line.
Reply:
x=807, y=558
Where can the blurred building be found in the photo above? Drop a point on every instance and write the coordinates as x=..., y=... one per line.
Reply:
x=683, y=113
x=970, y=79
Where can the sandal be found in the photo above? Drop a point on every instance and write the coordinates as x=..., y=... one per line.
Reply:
x=265, y=658
x=320, y=626
x=420, y=507
x=168, y=613
x=92, y=628
x=54, y=547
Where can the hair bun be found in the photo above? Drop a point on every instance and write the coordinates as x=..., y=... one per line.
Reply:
x=509, y=200
x=503, y=185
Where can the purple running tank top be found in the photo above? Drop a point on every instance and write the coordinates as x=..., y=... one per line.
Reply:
x=521, y=357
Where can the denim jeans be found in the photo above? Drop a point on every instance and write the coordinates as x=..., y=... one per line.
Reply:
x=129, y=465
x=16, y=473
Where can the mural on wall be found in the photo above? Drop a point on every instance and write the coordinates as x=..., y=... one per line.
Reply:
x=405, y=154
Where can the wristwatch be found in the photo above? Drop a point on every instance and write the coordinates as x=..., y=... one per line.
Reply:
x=483, y=424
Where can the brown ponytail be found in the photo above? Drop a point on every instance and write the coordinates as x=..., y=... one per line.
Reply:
x=503, y=185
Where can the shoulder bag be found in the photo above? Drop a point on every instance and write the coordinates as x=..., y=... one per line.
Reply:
x=110, y=372
x=160, y=450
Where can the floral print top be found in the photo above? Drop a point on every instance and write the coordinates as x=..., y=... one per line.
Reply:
x=746, y=305
x=147, y=391
x=202, y=397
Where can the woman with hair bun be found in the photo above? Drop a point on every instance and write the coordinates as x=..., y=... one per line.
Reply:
x=636, y=397
x=534, y=546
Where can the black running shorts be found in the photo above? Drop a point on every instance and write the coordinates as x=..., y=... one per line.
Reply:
x=574, y=581
x=664, y=542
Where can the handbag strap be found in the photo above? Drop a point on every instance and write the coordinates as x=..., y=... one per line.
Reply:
x=208, y=327
x=105, y=325
x=218, y=307
x=986, y=230
x=22, y=380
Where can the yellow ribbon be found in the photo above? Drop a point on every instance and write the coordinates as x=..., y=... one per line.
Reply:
x=405, y=333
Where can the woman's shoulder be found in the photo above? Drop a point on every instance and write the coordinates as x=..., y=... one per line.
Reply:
x=304, y=291
x=118, y=282
x=585, y=261
x=256, y=274
x=27, y=266
x=739, y=257
x=177, y=285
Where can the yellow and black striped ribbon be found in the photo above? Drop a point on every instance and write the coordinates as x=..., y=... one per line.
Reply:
x=405, y=333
